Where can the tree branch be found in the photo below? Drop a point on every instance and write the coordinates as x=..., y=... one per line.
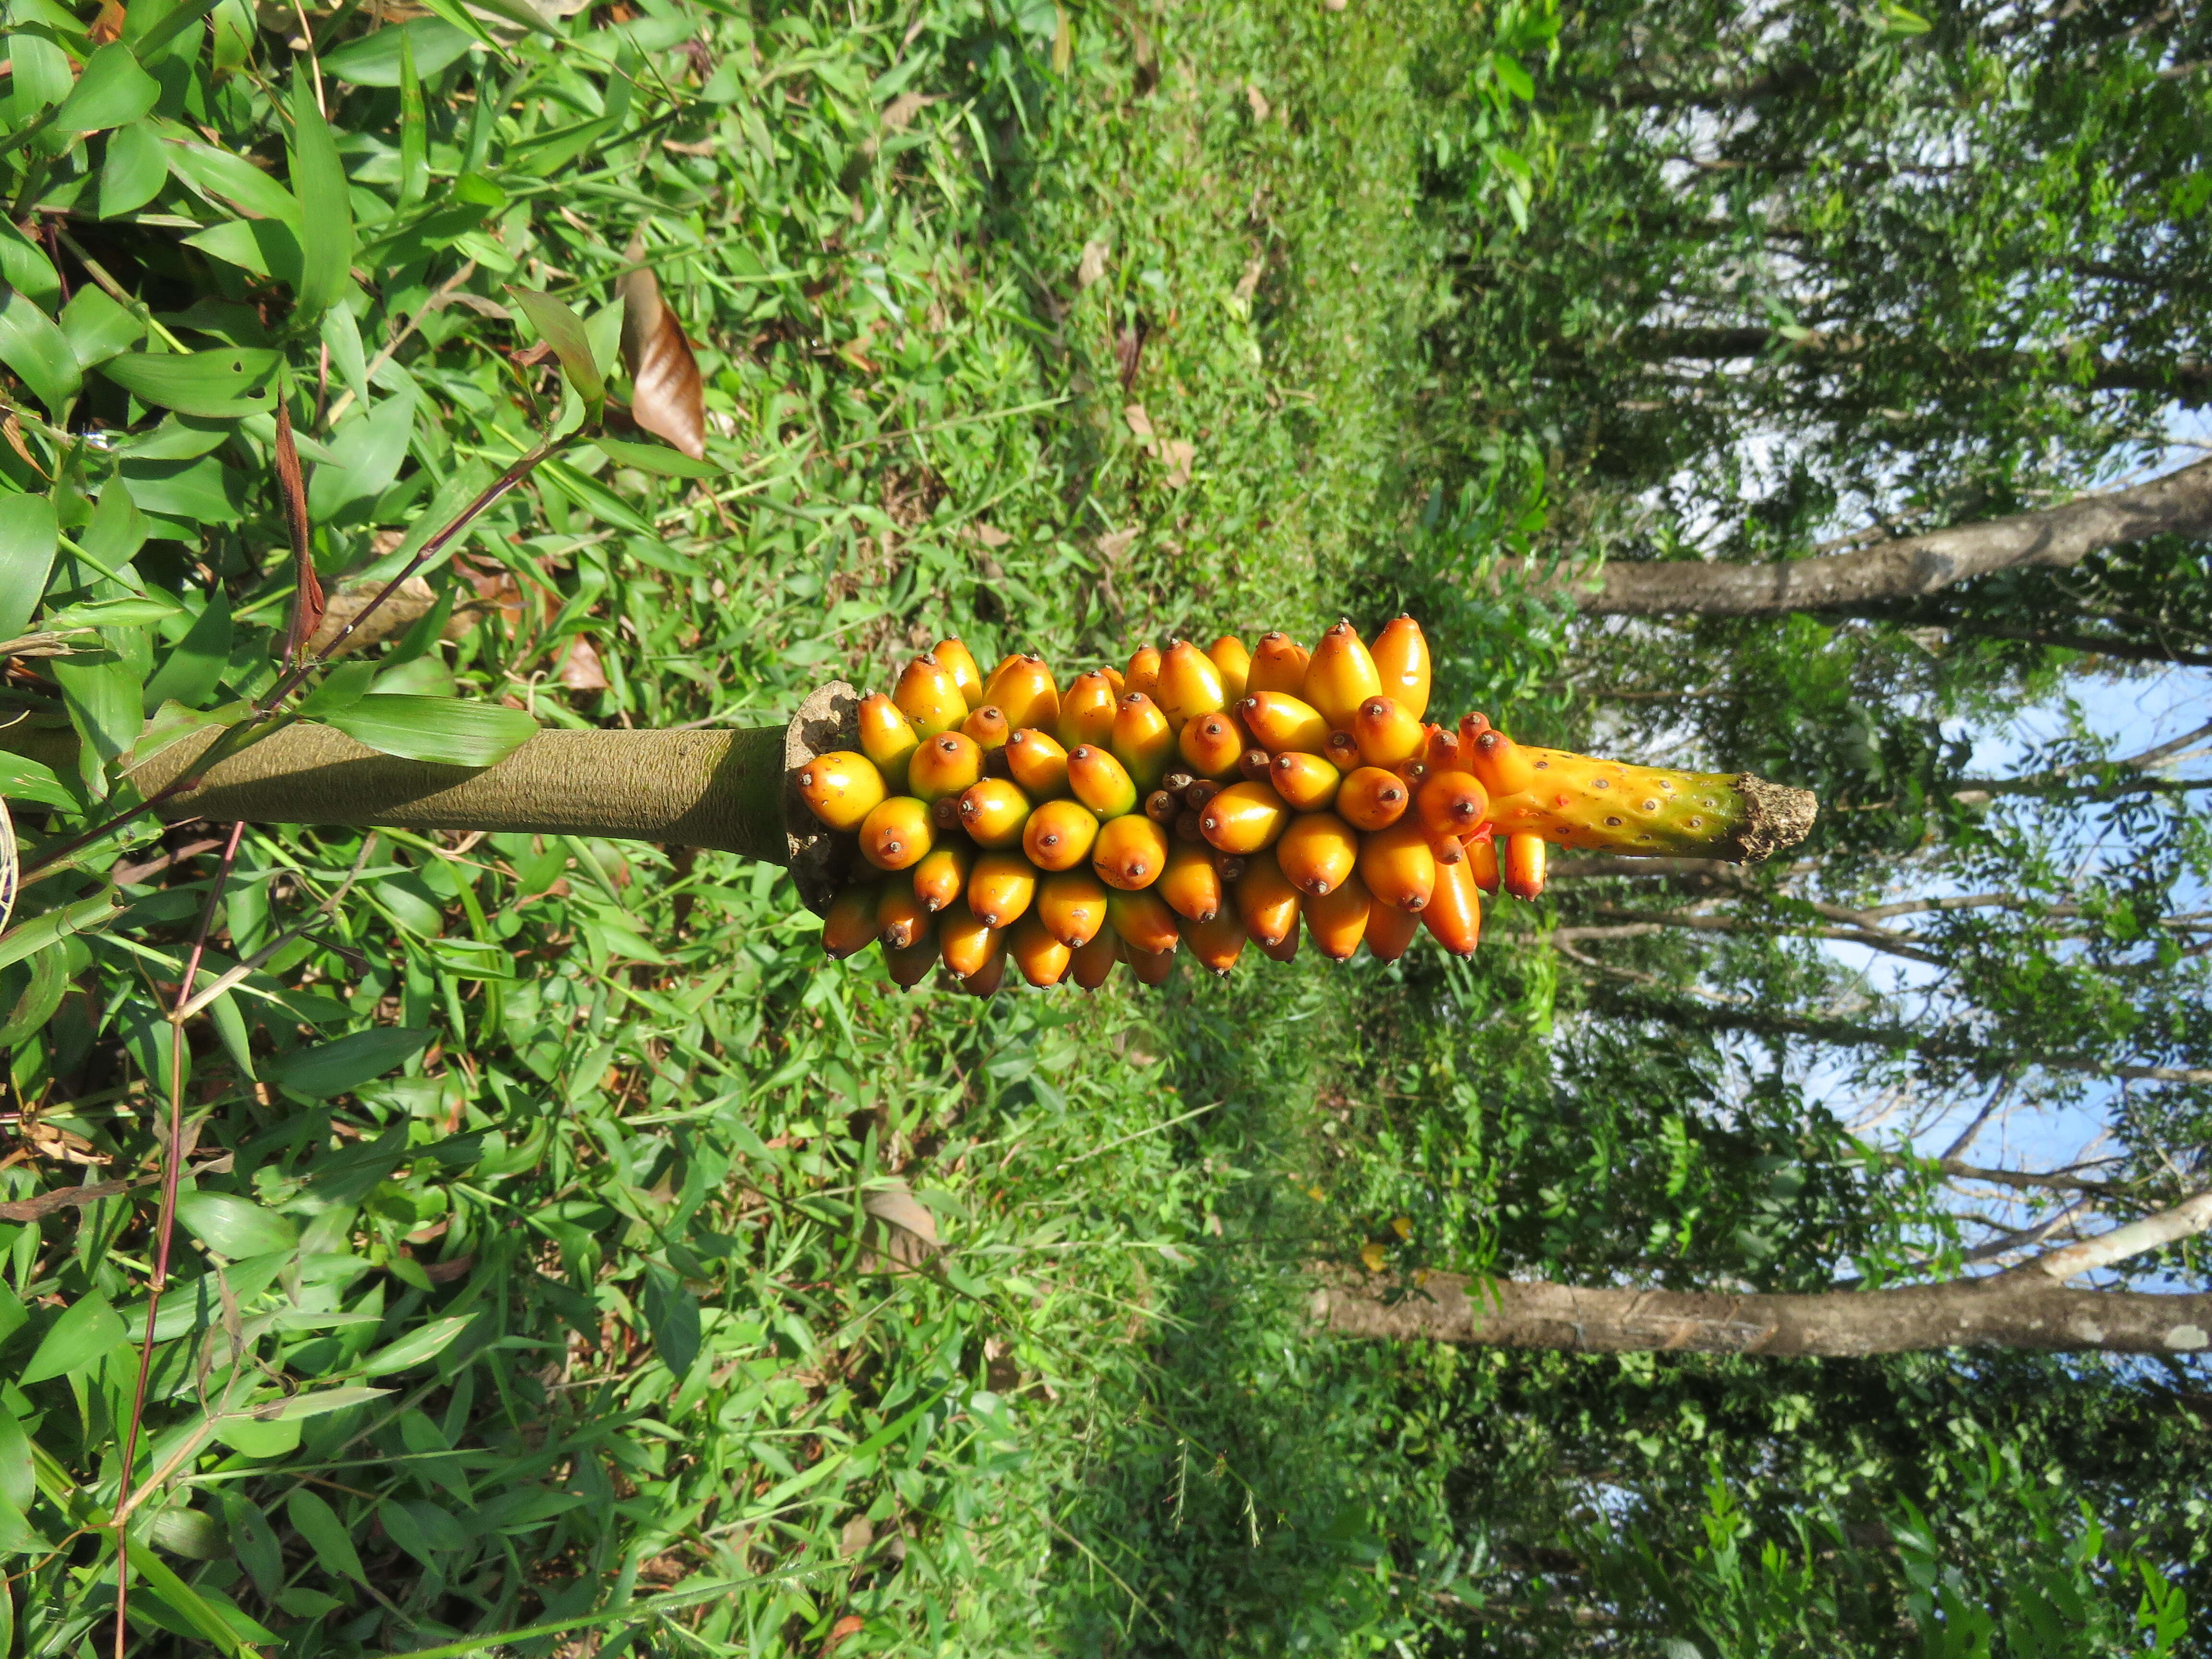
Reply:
x=2153, y=1232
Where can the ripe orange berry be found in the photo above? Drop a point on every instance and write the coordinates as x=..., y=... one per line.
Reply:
x=985, y=981
x=1307, y=783
x=966, y=942
x=1001, y=888
x=1499, y=762
x=1244, y=818
x=1372, y=798
x=1278, y=665
x=1149, y=967
x=1190, y=685
x=1453, y=915
x=1093, y=961
x=1141, y=921
x=945, y=765
x=1130, y=852
x=1522, y=867
x=1211, y=745
x=1340, y=677
x=1398, y=867
x=1337, y=918
x=955, y=660
x=941, y=877
x=1317, y=853
x=887, y=738
x=1058, y=834
x=1266, y=903
x=1234, y=664
x=1192, y=883
x=1217, y=943
x=1452, y=804
x=1482, y=857
x=987, y=726
x=1071, y=906
x=1387, y=733
x=1100, y=782
x=1142, y=740
x=1284, y=949
x=1278, y=721
x=1086, y=713
x=842, y=787
x=909, y=965
x=1041, y=958
x=1402, y=658
x=994, y=812
x=1390, y=930
x=1023, y=689
x=928, y=697
x=1143, y=675
x=851, y=924
x=1035, y=761
x=896, y=834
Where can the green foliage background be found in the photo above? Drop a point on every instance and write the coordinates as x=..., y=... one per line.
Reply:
x=563, y=1148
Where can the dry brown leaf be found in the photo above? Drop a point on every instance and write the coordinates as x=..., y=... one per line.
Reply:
x=856, y=1535
x=905, y=1228
x=899, y=113
x=1129, y=352
x=107, y=27
x=1115, y=543
x=1140, y=424
x=667, y=396
x=308, y=604
x=1092, y=265
x=580, y=669
x=1178, y=453
x=409, y=603
x=1258, y=100
x=851, y=1625
x=991, y=536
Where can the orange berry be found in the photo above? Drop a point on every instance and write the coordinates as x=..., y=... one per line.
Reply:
x=1390, y=930
x=1071, y=906
x=1190, y=685
x=1471, y=727
x=1130, y=852
x=994, y=812
x=1141, y=921
x=987, y=726
x=985, y=981
x=1317, y=853
x=1001, y=888
x=1499, y=762
x=887, y=738
x=1453, y=915
x=1522, y=871
x=945, y=765
x=1142, y=740
x=1398, y=867
x=1086, y=713
x=1234, y=664
x=1387, y=733
x=1144, y=672
x=909, y=964
x=1217, y=943
x=1452, y=804
x=1100, y=782
x=1337, y=918
x=1372, y=798
x=966, y=942
x=1041, y=958
x=1093, y=961
x=1284, y=949
x=1306, y=782
x=1037, y=762
x=1058, y=834
x=1402, y=658
x=1023, y=689
x=1149, y=967
x=942, y=876
x=851, y=924
x=1278, y=721
x=1482, y=857
x=896, y=834
x=928, y=697
x=1278, y=665
x=1266, y=903
x=1191, y=884
x=842, y=787
x=955, y=660
x=1244, y=818
x=1211, y=745
x=1340, y=677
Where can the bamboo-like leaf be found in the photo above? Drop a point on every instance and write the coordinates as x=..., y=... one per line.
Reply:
x=318, y=180
x=562, y=330
x=436, y=728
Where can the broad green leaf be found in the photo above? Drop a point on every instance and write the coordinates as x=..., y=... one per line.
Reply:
x=114, y=613
x=86, y=915
x=24, y=265
x=315, y=1402
x=325, y=209
x=335, y=1067
x=563, y=331
x=97, y=328
x=377, y=59
x=28, y=537
x=252, y=1438
x=193, y=1534
x=22, y=778
x=17, y=1484
x=425, y=1342
x=217, y=385
x=414, y=125
x=233, y=1226
x=80, y=1338
x=233, y=178
x=436, y=728
x=348, y=360
x=369, y=448
x=106, y=701
x=253, y=1540
x=112, y=92
x=672, y=1316
x=39, y=352
x=195, y=665
x=118, y=529
x=341, y=687
x=657, y=458
x=317, y=1522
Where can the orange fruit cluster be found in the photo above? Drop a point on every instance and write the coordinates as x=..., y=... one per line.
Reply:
x=1203, y=799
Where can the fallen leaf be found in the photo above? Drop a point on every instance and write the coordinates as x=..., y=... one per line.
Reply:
x=992, y=535
x=1258, y=100
x=1141, y=424
x=580, y=670
x=1092, y=265
x=1113, y=545
x=856, y=1535
x=1178, y=453
x=1374, y=1256
x=899, y=113
x=851, y=1625
x=1128, y=352
x=308, y=605
x=667, y=396
x=905, y=1228
x=408, y=604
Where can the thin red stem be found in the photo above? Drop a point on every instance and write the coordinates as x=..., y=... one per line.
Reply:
x=172, y=1165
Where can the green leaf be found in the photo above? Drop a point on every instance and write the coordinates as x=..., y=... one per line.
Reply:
x=436, y=728
x=38, y=351
x=672, y=1316
x=193, y=1534
x=1900, y=21
x=28, y=537
x=131, y=612
x=340, y=687
x=378, y=60
x=218, y=385
x=233, y=178
x=233, y=1226
x=335, y=1067
x=369, y=448
x=97, y=328
x=112, y=92
x=414, y=125
x=195, y=665
x=22, y=778
x=315, y=1403
x=17, y=1484
x=326, y=208
x=80, y=1338
x=254, y=1540
x=657, y=458
x=563, y=331
x=423, y=1343
x=317, y=1522
x=86, y=915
